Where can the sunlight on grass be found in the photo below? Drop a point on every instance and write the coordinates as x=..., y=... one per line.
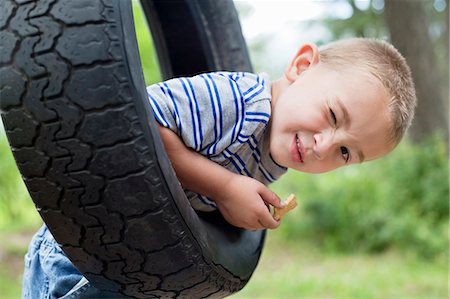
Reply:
x=303, y=271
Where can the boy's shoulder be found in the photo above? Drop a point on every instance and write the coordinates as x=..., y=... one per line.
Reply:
x=243, y=78
x=251, y=87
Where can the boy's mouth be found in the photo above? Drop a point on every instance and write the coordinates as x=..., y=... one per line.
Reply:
x=296, y=150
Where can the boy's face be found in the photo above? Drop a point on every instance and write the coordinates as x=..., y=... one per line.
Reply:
x=325, y=119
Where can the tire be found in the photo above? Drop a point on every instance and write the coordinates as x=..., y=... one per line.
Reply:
x=75, y=111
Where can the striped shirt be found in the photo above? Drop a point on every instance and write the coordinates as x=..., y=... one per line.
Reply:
x=223, y=116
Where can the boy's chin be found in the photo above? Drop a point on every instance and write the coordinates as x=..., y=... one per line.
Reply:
x=315, y=170
x=277, y=160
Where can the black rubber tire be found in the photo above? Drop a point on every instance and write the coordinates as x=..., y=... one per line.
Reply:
x=76, y=115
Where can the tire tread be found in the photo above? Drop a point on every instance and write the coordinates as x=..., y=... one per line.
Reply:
x=76, y=136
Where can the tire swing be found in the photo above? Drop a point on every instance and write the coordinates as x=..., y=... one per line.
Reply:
x=75, y=111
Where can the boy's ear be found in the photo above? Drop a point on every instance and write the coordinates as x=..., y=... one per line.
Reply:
x=307, y=56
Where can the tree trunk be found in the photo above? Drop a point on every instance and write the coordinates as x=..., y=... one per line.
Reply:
x=408, y=26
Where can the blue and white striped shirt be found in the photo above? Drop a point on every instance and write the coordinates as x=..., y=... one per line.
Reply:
x=224, y=117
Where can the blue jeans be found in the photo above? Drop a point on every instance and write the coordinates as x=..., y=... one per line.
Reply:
x=49, y=273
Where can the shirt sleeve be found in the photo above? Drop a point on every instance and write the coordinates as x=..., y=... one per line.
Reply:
x=212, y=111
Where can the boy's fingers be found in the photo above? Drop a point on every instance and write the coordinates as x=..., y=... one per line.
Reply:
x=271, y=198
x=267, y=221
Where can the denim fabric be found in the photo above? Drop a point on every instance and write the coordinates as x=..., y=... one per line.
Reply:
x=49, y=273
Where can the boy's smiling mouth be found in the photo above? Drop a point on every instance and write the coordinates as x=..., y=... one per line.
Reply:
x=296, y=149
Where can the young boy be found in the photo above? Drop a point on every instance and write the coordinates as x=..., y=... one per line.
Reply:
x=349, y=102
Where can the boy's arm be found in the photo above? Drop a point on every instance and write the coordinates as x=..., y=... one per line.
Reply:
x=241, y=200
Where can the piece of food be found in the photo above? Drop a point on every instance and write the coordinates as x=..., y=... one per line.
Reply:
x=290, y=204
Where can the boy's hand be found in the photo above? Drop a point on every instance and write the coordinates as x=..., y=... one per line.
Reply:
x=242, y=200
x=243, y=203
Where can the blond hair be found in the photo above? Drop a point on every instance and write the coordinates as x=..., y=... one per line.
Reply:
x=384, y=62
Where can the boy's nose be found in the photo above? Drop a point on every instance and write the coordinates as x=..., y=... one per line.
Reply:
x=323, y=143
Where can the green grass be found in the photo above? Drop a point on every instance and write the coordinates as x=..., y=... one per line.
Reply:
x=9, y=286
x=304, y=271
x=295, y=269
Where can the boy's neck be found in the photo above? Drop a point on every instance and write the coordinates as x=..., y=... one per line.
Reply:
x=278, y=86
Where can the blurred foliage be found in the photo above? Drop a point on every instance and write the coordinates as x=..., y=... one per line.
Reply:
x=148, y=57
x=16, y=207
x=363, y=22
x=400, y=201
x=368, y=21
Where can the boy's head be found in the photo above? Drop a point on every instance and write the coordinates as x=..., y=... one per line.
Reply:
x=347, y=102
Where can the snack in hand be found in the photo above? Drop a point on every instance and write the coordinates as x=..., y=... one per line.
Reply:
x=290, y=204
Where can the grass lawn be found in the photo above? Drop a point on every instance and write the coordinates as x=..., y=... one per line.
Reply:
x=302, y=271
x=294, y=270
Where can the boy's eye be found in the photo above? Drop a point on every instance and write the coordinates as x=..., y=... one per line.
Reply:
x=333, y=116
x=345, y=153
